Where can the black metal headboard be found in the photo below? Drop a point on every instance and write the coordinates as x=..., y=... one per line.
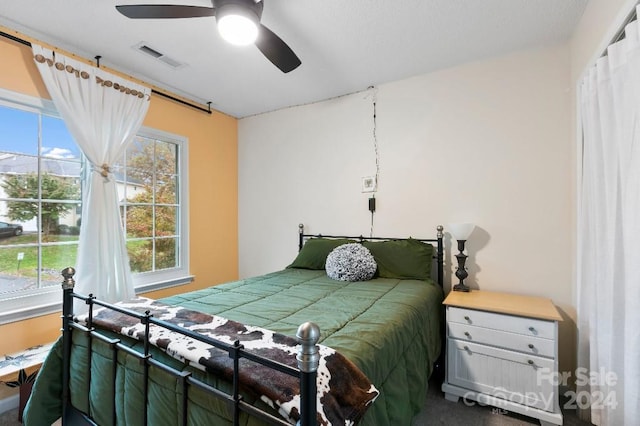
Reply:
x=438, y=241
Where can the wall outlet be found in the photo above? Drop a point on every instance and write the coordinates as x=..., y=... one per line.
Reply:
x=368, y=184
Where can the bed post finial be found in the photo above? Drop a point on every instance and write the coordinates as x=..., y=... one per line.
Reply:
x=67, y=274
x=440, y=230
x=308, y=357
x=301, y=228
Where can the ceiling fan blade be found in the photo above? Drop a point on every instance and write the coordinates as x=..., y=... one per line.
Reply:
x=276, y=50
x=164, y=11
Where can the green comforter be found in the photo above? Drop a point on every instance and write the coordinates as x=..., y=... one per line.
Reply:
x=389, y=328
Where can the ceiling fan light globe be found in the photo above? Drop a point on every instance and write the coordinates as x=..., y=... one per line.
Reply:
x=238, y=29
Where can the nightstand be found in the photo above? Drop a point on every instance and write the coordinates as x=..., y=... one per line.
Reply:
x=502, y=350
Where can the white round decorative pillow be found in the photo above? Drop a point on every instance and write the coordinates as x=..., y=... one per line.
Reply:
x=351, y=262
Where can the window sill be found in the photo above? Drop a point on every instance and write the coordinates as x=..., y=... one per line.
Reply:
x=52, y=300
x=146, y=288
x=31, y=312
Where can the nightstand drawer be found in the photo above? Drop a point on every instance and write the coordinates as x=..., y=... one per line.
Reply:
x=519, y=342
x=512, y=324
x=508, y=375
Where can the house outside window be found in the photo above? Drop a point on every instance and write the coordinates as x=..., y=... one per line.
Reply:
x=41, y=171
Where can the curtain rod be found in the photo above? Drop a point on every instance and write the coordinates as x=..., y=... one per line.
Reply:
x=154, y=91
x=620, y=34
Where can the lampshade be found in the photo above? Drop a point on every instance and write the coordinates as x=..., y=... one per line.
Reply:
x=461, y=231
x=237, y=24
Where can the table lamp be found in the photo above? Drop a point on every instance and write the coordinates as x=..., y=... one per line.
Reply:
x=461, y=232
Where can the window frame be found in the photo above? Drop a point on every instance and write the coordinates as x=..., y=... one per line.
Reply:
x=156, y=280
x=42, y=301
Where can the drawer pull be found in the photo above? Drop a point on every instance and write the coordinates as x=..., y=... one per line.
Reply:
x=466, y=317
x=530, y=362
x=531, y=346
x=466, y=333
x=466, y=348
x=532, y=329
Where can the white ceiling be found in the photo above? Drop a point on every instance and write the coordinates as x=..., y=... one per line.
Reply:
x=345, y=45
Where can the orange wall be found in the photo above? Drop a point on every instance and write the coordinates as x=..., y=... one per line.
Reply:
x=213, y=190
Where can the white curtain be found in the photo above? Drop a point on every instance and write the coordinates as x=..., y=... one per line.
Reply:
x=608, y=268
x=103, y=113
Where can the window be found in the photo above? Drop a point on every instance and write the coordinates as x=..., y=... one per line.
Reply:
x=153, y=208
x=41, y=171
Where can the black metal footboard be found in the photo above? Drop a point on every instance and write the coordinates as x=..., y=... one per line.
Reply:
x=308, y=359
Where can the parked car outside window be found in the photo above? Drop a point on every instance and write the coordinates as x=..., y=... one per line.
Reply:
x=10, y=229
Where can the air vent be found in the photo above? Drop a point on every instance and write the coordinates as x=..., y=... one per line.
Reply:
x=154, y=53
x=149, y=51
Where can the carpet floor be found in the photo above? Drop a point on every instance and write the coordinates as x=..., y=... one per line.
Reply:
x=436, y=411
x=439, y=411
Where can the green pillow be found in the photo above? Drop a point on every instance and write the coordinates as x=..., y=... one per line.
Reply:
x=402, y=259
x=315, y=251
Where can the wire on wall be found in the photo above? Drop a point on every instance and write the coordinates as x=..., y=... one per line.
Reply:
x=375, y=135
x=374, y=94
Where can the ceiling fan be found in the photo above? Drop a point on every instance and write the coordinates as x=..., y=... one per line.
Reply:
x=238, y=22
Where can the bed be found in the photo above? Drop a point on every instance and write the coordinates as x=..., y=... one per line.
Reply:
x=386, y=333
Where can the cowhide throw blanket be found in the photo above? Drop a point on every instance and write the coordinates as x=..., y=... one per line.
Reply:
x=344, y=392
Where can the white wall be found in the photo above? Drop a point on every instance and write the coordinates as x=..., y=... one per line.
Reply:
x=486, y=142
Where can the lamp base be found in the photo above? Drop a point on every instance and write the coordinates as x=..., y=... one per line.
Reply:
x=461, y=271
x=461, y=287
